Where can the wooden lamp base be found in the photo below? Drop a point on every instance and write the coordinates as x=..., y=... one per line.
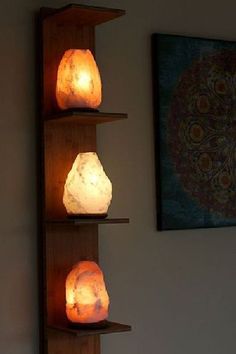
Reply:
x=78, y=110
x=89, y=326
x=87, y=216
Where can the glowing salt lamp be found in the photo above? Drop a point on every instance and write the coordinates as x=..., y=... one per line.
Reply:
x=78, y=80
x=87, y=300
x=88, y=190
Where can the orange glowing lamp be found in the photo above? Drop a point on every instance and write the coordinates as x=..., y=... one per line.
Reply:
x=87, y=300
x=78, y=81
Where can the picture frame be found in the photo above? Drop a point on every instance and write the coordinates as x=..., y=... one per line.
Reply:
x=194, y=96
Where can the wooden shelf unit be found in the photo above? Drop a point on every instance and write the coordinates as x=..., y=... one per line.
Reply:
x=63, y=134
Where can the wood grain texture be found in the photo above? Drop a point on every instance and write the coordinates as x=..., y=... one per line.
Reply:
x=62, y=343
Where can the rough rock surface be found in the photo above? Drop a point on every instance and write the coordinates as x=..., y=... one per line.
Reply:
x=87, y=300
x=87, y=190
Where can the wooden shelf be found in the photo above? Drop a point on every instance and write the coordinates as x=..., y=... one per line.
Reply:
x=69, y=221
x=85, y=118
x=63, y=242
x=112, y=327
x=81, y=15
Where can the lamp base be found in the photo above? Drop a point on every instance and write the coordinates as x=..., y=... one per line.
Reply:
x=79, y=109
x=87, y=216
x=95, y=325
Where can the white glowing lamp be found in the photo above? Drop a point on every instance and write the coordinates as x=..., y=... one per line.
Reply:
x=87, y=300
x=78, y=80
x=88, y=190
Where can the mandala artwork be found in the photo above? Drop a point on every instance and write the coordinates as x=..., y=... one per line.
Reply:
x=197, y=132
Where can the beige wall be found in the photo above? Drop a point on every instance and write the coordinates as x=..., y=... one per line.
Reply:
x=178, y=288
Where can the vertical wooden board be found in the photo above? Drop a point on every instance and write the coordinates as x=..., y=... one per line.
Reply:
x=61, y=343
x=57, y=37
x=66, y=245
x=62, y=246
x=62, y=142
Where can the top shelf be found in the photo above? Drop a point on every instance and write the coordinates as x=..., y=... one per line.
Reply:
x=85, y=117
x=81, y=15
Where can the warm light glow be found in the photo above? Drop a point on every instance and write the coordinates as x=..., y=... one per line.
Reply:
x=78, y=80
x=87, y=189
x=87, y=300
x=83, y=81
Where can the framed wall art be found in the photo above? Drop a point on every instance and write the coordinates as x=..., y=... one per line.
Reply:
x=194, y=81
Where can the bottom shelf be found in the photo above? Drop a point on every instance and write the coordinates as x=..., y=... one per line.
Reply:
x=112, y=327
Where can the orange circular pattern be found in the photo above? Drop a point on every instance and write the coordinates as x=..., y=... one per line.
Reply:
x=202, y=132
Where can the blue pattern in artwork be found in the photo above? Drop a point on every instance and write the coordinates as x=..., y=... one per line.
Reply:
x=178, y=208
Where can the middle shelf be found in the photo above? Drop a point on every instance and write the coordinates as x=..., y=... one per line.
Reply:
x=83, y=117
x=87, y=221
x=111, y=327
